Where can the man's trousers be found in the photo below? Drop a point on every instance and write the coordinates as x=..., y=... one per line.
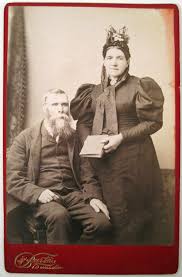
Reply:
x=59, y=215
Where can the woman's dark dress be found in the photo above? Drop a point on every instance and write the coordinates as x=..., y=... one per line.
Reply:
x=130, y=176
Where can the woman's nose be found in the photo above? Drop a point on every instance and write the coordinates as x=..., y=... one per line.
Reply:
x=114, y=62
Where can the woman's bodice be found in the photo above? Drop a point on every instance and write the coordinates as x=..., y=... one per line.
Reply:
x=125, y=96
x=138, y=102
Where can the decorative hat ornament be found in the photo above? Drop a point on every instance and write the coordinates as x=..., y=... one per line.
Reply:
x=120, y=36
x=118, y=39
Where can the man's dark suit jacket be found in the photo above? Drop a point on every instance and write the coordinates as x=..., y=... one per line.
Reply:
x=23, y=170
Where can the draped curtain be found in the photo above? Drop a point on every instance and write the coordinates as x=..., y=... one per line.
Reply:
x=17, y=74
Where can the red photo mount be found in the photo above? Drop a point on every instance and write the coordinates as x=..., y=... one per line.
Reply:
x=96, y=259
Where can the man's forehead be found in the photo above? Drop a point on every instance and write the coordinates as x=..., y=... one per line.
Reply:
x=57, y=98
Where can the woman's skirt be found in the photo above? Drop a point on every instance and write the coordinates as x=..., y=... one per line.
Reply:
x=132, y=190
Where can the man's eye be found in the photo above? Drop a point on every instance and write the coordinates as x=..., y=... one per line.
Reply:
x=54, y=104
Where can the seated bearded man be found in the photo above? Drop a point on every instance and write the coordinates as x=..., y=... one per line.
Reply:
x=43, y=169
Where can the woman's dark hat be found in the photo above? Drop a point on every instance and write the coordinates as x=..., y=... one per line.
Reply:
x=118, y=39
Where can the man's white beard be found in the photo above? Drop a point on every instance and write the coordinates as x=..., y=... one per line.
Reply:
x=59, y=123
x=60, y=126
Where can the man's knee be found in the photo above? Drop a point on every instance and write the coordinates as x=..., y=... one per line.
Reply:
x=99, y=224
x=58, y=215
x=102, y=223
x=97, y=230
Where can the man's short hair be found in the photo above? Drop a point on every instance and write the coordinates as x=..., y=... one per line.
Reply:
x=53, y=91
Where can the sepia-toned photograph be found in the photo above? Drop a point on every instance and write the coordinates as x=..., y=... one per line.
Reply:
x=90, y=126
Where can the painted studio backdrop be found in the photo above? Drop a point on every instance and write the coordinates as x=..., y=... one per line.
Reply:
x=61, y=47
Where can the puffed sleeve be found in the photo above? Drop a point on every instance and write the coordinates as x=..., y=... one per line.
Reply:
x=149, y=109
x=81, y=103
x=80, y=108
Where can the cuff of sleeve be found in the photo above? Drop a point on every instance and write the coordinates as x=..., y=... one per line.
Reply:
x=88, y=197
x=36, y=195
x=124, y=135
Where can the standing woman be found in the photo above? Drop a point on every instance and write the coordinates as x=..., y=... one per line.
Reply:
x=129, y=109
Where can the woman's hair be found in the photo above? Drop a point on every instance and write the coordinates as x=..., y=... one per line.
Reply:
x=117, y=39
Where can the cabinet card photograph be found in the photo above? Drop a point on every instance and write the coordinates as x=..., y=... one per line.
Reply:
x=91, y=138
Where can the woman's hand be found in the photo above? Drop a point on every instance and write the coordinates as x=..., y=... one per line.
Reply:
x=112, y=143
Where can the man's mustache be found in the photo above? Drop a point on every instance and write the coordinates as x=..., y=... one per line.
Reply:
x=60, y=116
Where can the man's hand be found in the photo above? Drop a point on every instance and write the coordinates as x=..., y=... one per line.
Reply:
x=98, y=206
x=47, y=196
